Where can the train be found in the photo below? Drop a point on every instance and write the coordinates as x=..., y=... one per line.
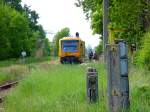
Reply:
x=71, y=50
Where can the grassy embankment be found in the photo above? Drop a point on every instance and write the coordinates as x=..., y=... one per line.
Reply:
x=61, y=88
x=14, y=68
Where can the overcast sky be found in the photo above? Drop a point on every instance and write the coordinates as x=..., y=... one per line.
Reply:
x=57, y=14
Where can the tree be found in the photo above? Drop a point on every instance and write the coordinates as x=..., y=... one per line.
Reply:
x=33, y=22
x=47, y=48
x=131, y=15
x=19, y=29
x=16, y=4
x=31, y=15
x=65, y=32
x=14, y=28
x=93, y=11
x=18, y=34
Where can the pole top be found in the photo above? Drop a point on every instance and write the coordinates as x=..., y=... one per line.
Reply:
x=90, y=69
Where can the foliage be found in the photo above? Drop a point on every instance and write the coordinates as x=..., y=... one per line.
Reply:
x=14, y=30
x=65, y=32
x=93, y=11
x=143, y=55
x=125, y=14
x=99, y=48
x=47, y=49
x=128, y=20
x=15, y=4
x=19, y=29
x=96, y=22
x=33, y=23
x=31, y=15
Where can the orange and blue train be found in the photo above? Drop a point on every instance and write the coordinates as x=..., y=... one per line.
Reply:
x=71, y=50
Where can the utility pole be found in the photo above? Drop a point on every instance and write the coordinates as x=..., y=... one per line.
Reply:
x=105, y=25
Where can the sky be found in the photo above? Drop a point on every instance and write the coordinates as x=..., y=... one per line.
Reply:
x=57, y=14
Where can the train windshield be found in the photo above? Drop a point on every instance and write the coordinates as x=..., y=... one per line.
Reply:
x=70, y=45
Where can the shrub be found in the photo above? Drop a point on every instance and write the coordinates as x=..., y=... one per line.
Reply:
x=143, y=55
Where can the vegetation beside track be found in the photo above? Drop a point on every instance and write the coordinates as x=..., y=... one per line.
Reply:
x=139, y=89
x=12, y=73
x=14, y=69
x=19, y=61
x=62, y=88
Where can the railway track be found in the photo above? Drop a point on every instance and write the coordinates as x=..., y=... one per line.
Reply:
x=5, y=87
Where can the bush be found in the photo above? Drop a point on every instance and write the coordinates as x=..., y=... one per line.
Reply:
x=143, y=55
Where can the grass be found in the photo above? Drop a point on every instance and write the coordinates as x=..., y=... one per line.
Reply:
x=28, y=60
x=9, y=62
x=13, y=69
x=12, y=73
x=139, y=89
x=61, y=88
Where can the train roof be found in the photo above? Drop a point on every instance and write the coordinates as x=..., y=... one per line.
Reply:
x=71, y=38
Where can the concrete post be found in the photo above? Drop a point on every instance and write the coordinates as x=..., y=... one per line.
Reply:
x=92, y=84
x=105, y=25
x=118, y=84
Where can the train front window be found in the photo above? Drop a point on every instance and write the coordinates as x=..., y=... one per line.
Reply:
x=70, y=45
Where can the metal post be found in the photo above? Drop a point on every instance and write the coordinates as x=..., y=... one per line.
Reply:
x=92, y=85
x=105, y=25
x=125, y=103
x=118, y=84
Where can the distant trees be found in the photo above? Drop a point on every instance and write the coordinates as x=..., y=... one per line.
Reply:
x=65, y=32
x=19, y=29
x=14, y=30
x=99, y=48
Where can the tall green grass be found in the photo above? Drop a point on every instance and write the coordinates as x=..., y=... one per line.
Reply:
x=13, y=72
x=143, y=54
x=27, y=60
x=139, y=89
x=14, y=68
x=62, y=88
